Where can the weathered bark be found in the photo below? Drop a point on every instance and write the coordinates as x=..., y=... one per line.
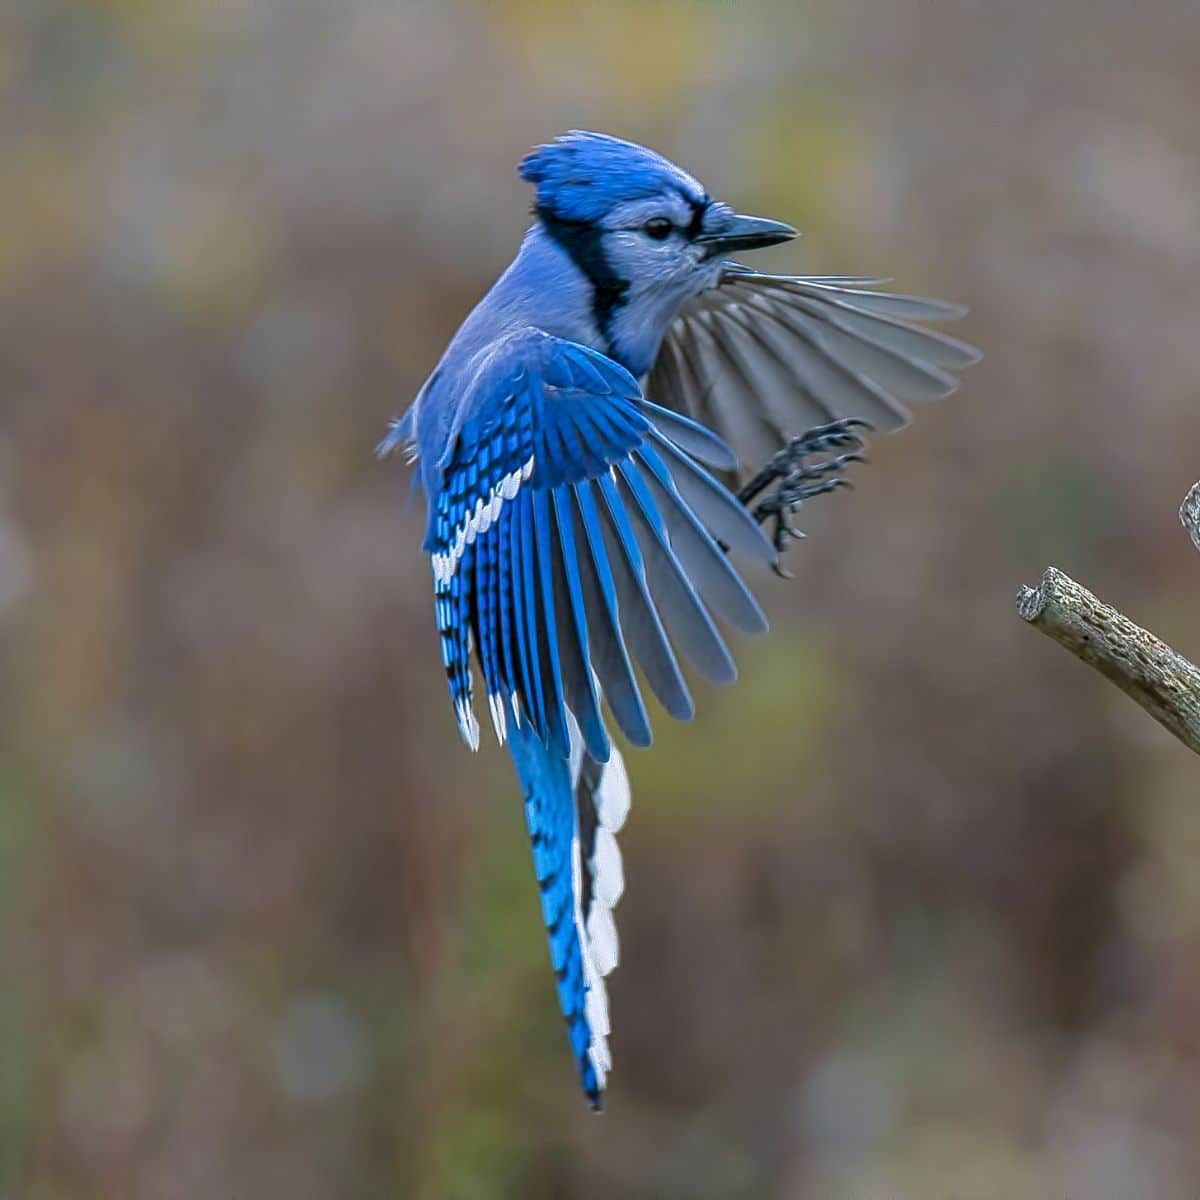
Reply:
x=1163, y=682
x=1189, y=514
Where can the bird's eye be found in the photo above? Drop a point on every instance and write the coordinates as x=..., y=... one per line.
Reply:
x=659, y=228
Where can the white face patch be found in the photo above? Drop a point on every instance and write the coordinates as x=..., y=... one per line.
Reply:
x=659, y=288
x=660, y=274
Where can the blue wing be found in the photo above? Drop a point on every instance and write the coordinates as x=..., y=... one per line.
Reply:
x=576, y=532
x=572, y=535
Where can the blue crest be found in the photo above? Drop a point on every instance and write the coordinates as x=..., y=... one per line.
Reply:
x=582, y=176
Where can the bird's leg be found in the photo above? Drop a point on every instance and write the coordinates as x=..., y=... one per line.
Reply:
x=789, y=478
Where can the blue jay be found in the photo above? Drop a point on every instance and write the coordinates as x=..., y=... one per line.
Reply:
x=574, y=446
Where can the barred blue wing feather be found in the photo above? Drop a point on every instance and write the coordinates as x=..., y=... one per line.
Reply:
x=551, y=552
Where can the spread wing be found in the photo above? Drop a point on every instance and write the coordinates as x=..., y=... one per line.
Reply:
x=762, y=358
x=575, y=532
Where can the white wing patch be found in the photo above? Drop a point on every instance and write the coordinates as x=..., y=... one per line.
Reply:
x=497, y=707
x=479, y=520
x=468, y=726
x=445, y=563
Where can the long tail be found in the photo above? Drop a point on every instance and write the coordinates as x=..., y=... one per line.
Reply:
x=573, y=808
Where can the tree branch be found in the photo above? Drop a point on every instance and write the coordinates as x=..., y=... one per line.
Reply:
x=1189, y=514
x=1164, y=683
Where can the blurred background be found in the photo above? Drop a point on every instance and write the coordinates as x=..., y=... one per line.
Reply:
x=913, y=913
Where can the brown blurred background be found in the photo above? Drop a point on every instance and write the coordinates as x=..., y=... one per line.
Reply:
x=913, y=913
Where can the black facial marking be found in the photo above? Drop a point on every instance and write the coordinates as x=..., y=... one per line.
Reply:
x=583, y=242
x=699, y=208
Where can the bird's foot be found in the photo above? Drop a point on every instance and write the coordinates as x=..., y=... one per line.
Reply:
x=790, y=478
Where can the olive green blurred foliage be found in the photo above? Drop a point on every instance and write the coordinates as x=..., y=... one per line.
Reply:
x=911, y=912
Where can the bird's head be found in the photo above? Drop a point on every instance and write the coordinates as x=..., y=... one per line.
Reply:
x=643, y=230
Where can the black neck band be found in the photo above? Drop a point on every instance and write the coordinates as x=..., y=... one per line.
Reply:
x=583, y=243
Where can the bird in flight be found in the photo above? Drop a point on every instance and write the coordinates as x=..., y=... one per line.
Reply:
x=578, y=445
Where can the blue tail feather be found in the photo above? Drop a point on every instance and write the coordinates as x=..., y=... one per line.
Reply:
x=551, y=818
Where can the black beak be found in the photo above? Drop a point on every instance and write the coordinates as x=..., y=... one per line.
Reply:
x=738, y=232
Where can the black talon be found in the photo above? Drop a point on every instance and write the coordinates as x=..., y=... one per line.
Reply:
x=792, y=480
